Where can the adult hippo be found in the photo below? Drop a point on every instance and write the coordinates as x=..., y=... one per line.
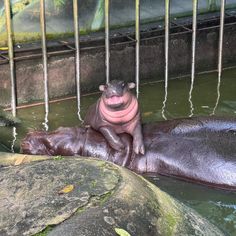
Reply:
x=201, y=150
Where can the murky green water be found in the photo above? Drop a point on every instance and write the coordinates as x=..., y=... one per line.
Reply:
x=217, y=206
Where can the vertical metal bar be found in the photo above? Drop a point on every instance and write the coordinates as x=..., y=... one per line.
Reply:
x=44, y=52
x=137, y=38
x=107, y=42
x=167, y=26
x=220, y=52
x=11, y=55
x=194, y=34
x=77, y=54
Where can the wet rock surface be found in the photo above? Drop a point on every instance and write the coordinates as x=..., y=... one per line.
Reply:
x=105, y=197
x=30, y=198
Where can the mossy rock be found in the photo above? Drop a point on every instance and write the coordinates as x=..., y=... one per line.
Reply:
x=104, y=198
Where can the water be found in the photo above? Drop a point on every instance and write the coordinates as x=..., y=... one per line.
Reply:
x=217, y=206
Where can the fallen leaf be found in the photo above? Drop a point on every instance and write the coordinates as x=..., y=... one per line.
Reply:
x=67, y=189
x=122, y=232
x=19, y=160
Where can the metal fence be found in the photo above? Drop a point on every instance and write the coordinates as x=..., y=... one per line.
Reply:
x=107, y=50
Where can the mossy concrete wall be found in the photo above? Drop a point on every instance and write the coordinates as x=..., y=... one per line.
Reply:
x=29, y=73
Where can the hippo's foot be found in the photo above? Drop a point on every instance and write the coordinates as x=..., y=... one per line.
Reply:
x=112, y=138
x=138, y=147
x=118, y=145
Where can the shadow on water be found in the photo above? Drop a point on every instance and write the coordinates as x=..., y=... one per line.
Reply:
x=217, y=206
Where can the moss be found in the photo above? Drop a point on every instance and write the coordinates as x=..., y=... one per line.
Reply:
x=58, y=158
x=26, y=37
x=167, y=211
x=81, y=210
x=95, y=201
x=45, y=231
x=171, y=222
x=94, y=183
x=104, y=198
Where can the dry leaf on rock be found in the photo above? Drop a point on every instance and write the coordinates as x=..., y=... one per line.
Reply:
x=66, y=189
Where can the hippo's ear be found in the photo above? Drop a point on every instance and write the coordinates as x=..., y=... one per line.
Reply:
x=102, y=87
x=131, y=85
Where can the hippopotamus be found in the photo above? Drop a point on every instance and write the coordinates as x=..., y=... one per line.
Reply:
x=117, y=112
x=201, y=150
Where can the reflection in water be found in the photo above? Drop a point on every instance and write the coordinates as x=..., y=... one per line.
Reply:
x=14, y=134
x=164, y=102
x=220, y=204
x=79, y=115
x=218, y=95
x=45, y=123
x=190, y=98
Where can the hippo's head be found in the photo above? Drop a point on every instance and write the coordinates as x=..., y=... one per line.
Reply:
x=116, y=93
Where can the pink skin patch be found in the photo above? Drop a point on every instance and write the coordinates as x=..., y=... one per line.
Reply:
x=119, y=116
x=114, y=100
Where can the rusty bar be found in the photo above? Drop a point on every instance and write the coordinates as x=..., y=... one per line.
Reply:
x=77, y=55
x=137, y=45
x=107, y=41
x=194, y=35
x=44, y=52
x=11, y=55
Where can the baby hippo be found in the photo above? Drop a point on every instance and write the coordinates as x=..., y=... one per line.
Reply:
x=117, y=112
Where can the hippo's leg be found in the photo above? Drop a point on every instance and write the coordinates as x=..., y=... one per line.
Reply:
x=112, y=138
x=138, y=145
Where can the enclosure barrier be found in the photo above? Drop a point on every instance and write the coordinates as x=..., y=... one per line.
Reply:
x=107, y=41
x=107, y=50
x=220, y=52
x=77, y=54
x=45, y=60
x=11, y=55
x=137, y=45
x=194, y=35
x=167, y=33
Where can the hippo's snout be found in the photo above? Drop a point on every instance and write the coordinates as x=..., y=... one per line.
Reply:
x=111, y=92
